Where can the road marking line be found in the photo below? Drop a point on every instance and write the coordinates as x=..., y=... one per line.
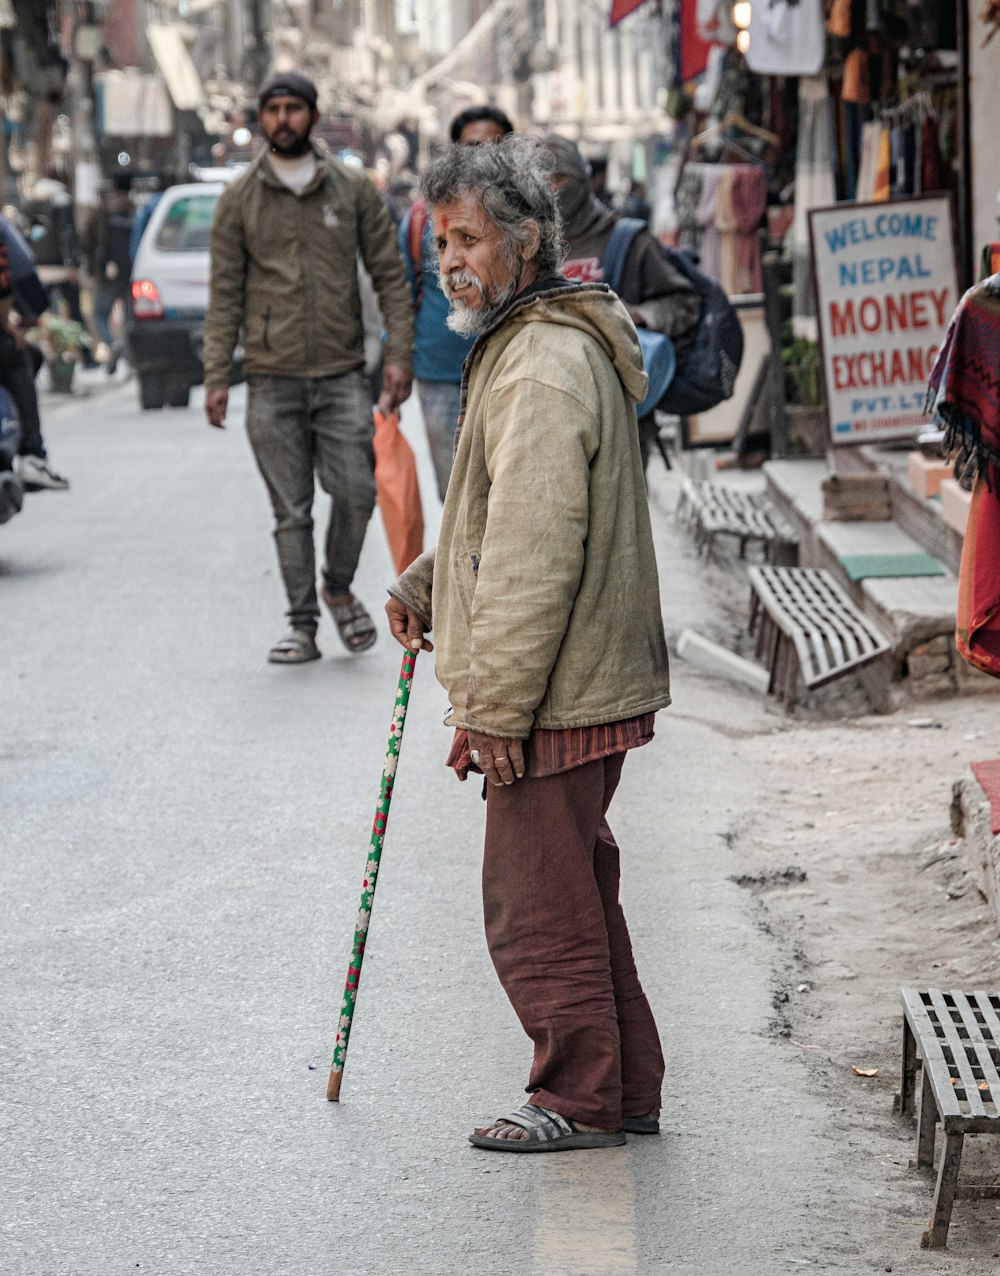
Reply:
x=585, y=1221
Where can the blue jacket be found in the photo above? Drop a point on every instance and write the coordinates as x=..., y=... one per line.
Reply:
x=438, y=352
x=31, y=297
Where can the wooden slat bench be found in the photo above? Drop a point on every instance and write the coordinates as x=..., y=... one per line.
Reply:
x=807, y=626
x=712, y=510
x=953, y=1038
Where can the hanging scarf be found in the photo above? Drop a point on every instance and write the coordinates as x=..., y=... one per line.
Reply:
x=749, y=200
x=977, y=618
x=686, y=201
x=964, y=395
x=931, y=175
x=711, y=241
x=964, y=390
x=728, y=230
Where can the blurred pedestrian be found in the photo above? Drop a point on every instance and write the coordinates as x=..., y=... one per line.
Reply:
x=106, y=241
x=285, y=245
x=656, y=295
x=56, y=246
x=636, y=205
x=543, y=599
x=440, y=353
x=599, y=180
x=145, y=211
x=19, y=364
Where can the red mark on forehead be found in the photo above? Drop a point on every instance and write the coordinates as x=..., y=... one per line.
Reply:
x=444, y=224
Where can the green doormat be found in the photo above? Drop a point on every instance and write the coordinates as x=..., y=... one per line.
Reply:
x=881, y=566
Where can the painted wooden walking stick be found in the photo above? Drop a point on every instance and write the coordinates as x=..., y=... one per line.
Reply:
x=371, y=876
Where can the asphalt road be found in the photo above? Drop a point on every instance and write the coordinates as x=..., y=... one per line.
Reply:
x=183, y=832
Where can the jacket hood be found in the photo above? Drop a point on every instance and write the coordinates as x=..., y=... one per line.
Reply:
x=595, y=309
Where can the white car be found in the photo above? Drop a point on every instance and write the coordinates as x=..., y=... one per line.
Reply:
x=166, y=325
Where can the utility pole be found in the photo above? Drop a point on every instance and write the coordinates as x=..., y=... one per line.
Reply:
x=86, y=47
x=260, y=27
x=236, y=38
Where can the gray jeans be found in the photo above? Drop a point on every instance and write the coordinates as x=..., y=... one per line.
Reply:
x=298, y=425
x=440, y=402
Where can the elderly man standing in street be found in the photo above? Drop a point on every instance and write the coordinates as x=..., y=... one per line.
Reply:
x=543, y=599
x=285, y=245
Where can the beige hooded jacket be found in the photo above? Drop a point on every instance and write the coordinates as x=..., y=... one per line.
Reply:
x=542, y=592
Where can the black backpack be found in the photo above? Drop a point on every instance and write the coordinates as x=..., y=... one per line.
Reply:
x=707, y=374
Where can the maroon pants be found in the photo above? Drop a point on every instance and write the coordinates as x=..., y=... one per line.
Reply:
x=560, y=944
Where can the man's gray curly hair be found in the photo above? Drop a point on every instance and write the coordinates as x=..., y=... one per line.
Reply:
x=510, y=178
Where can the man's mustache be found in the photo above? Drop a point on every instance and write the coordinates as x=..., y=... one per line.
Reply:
x=461, y=279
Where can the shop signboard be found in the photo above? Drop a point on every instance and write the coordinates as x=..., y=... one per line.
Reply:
x=886, y=288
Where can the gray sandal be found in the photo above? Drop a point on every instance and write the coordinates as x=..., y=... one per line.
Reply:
x=354, y=624
x=296, y=648
x=547, y=1132
x=641, y=1125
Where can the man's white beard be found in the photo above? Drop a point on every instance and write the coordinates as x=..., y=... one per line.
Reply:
x=462, y=318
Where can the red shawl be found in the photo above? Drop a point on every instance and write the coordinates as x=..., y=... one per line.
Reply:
x=964, y=394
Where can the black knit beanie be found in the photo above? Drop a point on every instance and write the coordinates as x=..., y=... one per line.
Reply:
x=288, y=84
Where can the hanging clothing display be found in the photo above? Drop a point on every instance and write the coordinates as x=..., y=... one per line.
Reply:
x=708, y=205
x=870, y=136
x=749, y=197
x=883, y=167
x=727, y=229
x=931, y=167
x=787, y=37
x=720, y=209
x=814, y=188
x=686, y=200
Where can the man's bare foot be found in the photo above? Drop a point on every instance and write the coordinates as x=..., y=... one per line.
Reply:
x=533, y=1128
x=507, y=1130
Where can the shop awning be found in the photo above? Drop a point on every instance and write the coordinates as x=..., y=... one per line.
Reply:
x=166, y=41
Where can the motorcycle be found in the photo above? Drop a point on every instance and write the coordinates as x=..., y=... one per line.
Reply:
x=11, y=488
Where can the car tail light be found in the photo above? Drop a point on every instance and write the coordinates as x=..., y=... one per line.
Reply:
x=146, y=301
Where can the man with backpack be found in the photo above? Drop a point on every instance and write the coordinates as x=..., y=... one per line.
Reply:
x=663, y=291
x=440, y=353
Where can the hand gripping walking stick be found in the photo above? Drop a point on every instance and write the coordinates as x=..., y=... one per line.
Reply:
x=371, y=875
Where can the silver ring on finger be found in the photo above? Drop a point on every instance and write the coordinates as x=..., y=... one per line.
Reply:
x=474, y=755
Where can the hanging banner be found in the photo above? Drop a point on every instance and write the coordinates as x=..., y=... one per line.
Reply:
x=886, y=288
x=622, y=8
x=694, y=48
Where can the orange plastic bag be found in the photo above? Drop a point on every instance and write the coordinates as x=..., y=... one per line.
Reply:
x=397, y=491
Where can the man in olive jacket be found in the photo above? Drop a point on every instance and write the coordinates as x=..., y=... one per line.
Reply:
x=285, y=245
x=543, y=598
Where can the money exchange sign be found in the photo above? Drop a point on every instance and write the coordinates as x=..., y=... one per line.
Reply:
x=885, y=291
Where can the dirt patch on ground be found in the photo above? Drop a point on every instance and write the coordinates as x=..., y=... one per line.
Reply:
x=855, y=874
